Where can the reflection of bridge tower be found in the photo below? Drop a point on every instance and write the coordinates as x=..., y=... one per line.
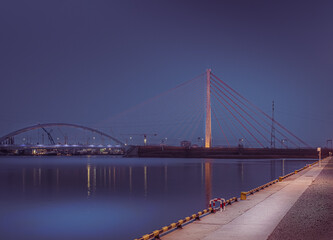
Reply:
x=208, y=181
x=208, y=125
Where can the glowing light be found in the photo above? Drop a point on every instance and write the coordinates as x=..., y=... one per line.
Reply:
x=145, y=180
x=88, y=179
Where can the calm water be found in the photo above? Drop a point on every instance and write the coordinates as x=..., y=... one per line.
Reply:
x=45, y=198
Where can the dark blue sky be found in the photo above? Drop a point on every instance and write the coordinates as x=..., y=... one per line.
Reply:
x=84, y=61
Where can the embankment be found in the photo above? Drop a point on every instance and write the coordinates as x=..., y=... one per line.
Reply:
x=218, y=152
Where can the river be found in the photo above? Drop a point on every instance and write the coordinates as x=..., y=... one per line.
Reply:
x=103, y=197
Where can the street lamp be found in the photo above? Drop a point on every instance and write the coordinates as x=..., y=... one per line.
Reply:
x=329, y=141
x=283, y=141
x=240, y=142
x=319, y=155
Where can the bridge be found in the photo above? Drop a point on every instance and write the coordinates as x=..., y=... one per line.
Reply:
x=202, y=117
x=202, y=112
x=98, y=143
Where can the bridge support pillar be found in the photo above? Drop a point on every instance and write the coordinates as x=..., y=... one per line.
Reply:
x=208, y=125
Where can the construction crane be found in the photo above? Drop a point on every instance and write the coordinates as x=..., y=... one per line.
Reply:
x=142, y=134
x=49, y=136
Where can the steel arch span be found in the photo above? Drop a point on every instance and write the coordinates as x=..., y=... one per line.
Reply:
x=30, y=128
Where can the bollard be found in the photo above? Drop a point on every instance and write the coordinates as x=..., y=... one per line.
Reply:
x=146, y=237
x=243, y=195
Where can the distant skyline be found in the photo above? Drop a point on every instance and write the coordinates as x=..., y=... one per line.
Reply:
x=84, y=61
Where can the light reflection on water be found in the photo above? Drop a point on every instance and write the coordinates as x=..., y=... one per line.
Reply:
x=117, y=198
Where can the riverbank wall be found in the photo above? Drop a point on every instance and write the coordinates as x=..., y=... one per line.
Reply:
x=219, y=152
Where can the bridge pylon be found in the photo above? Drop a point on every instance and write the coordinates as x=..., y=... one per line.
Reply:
x=208, y=123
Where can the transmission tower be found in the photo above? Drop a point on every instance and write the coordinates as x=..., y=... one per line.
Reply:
x=273, y=128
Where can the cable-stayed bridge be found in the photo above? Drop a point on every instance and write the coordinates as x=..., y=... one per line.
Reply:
x=202, y=117
x=205, y=111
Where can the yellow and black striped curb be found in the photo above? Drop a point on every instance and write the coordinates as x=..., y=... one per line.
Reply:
x=244, y=194
x=281, y=178
x=296, y=171
x=156, y=234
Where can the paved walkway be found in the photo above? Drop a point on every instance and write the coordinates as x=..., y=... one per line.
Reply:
x=311, y=217
x=257, y=217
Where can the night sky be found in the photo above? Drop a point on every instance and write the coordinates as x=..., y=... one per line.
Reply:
x=85, y=61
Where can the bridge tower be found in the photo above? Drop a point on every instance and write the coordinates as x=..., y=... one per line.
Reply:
x=208, y=125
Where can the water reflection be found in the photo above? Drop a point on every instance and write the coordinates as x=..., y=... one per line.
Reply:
x=23, y=180
x=165, y=178
x=88, y=180
x=104, y=179
x=115, y=192
x=208, y=181
x=39, y=176
x=104, y=175
x=240, y=167
x=130, y=179
x=114, y=178
x=94, y=179
x=34, y=176
x=110, y=177
x=273, y=170
x=57, y=178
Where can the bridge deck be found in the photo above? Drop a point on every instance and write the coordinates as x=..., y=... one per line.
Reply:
x=254, y=218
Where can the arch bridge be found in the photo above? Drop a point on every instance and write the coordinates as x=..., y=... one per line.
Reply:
x=8, y=145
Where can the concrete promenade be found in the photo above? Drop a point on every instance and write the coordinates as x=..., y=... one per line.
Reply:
x=311, y=217
x=259, y=216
